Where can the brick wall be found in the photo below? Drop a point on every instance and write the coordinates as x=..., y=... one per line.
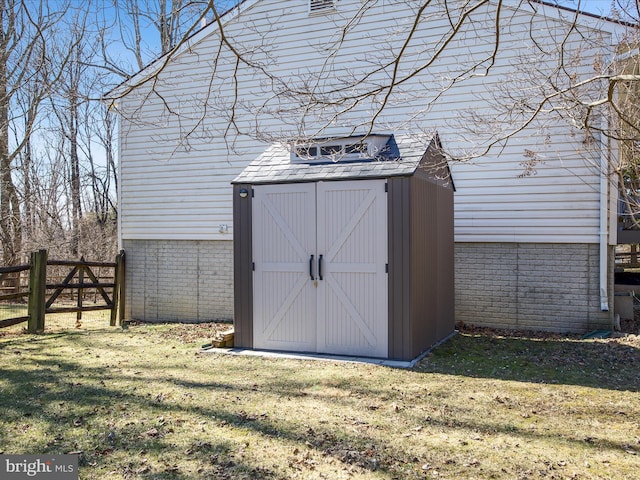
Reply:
x=169, y=280
x=552, y=287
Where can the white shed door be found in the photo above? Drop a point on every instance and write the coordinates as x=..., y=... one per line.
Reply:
x=338, y=302
x=353, y=295
x=284, y=238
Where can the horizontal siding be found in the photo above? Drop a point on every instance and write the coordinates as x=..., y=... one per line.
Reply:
x=533, y=211
x=176, y=169
x=178, y=234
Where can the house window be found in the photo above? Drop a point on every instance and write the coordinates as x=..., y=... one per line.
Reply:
x=322, y=6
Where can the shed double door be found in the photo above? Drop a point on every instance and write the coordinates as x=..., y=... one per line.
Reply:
x=320, y=255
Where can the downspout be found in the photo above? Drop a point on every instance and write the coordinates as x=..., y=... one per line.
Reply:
x=119, y=185
x=604, y=222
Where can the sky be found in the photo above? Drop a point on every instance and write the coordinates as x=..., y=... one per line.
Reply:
x=599, y=7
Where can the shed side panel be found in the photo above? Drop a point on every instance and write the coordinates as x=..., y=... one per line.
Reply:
x=445, y=265
x=424, y=261
x=399, y=225
x=243, y=268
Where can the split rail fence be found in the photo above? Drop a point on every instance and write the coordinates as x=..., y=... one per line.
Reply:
x=60, y=286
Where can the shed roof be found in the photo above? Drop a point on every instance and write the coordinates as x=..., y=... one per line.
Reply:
x=405, y=153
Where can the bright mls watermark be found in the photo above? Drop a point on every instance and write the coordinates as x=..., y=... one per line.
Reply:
x=50, y=467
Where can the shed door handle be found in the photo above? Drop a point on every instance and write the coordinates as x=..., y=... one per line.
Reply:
x=311, y=267
x=320, y=267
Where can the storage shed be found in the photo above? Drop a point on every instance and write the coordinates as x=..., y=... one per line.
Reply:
x=345, y=247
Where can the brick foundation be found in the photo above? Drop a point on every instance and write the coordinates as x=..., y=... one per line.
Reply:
x=171, y=280
x=553, y=287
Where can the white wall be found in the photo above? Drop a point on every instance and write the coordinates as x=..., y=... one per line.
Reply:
x=186, y=135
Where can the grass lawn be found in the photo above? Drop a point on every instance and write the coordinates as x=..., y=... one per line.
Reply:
x=142, y=403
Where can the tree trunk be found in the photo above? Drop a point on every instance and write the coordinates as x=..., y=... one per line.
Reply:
x=10, y=222
x=76, y=209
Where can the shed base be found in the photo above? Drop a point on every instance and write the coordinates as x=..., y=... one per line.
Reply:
x=326, y=357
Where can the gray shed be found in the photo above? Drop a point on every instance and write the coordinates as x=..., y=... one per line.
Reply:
x=345, y=247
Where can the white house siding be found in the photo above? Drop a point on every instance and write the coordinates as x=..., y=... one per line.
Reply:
x=177, y=162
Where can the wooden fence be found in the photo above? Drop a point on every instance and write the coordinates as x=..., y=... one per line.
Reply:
x=45, y=292
x=13, y=289
x=628, y=259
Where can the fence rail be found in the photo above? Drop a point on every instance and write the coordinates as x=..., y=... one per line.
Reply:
x=44, y=291
x=13, y=287
x=628, y=259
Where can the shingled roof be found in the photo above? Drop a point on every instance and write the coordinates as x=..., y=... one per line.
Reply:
x=402, y=158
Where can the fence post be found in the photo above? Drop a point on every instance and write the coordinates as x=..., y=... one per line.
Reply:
x=37, y=291
x=80, y=293
x=118, y=291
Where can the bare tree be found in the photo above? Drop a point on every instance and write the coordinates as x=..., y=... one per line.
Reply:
x=67, y=105
x=46, y=59
x=26, y=30
x=52, y=70
x=149, y=28
x=625, y=98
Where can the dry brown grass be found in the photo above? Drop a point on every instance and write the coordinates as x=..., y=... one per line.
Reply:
x=143, y=403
